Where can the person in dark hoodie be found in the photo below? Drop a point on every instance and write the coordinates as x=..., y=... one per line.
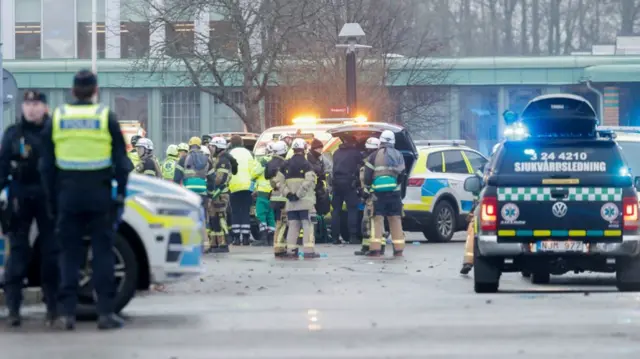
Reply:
x=19, y=155
x=345, y=180
x=319, y=164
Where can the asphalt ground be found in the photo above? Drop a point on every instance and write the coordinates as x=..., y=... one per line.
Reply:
x=248, y=305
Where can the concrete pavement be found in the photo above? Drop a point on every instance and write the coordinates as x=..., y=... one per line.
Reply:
x=248, y=305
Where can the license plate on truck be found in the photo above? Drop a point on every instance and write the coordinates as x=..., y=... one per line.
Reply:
x=560, y=246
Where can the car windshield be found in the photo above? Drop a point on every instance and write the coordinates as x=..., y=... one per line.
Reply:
x=307, y=134
x=629, y=151
x=574, y=157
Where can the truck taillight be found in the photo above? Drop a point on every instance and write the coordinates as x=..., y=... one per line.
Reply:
x=630, y=213
x=488, y=210
x=415, y=182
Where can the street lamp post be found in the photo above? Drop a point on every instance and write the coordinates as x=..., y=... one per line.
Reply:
x=351, y=32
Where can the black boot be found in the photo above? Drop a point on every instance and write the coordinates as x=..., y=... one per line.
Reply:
x=337, y=241
x=363, y=251
x=375, y=253
x=354, y=240
x=313, y=255
x=293, y=254
x=50, y=318
x=280, y=255
x=466, y=268
x=397, y=253
x=382, y=249
x=262, y=240
x=14, y=320
x=111, y=321
x=221, y=249
x=68, y=322
x=270, y=236
x=236, y=240
x=246, y=241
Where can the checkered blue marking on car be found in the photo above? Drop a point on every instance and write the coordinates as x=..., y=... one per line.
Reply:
x=431, y=186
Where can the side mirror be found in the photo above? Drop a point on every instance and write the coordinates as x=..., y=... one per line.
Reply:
x=509, y=117
x=636, y=182
x=473, y=184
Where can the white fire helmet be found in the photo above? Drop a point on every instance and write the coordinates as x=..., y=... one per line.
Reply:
x=388, y=137
x=279, y=148
x=298, y=144
x=372, y=143
x=145, y=143
x=205, y=150
x=218, y=142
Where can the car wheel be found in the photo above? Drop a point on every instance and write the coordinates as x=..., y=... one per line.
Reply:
x=628, y=275
x=525, y=274
x=442, y=224
x=126, y=275
x=486, y=275
x=540, y=278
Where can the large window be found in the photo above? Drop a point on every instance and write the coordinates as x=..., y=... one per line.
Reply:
x=132, y=105
x=84, y=40
x=28, y=40
x=222, y=41
x=84, y=15
x=180, y=115
x=28, y=29
x=479, y=117
x=134, y=39
x=180, y=38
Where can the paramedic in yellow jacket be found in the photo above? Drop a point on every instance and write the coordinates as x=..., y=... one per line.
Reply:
x=240, y=197
x=169, y=164
x=262, y=190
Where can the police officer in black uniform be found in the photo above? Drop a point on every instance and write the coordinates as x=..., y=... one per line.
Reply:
x=346, y=167
x=83, y=151
x=19, y=156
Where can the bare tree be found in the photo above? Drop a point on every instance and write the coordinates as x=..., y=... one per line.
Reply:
x=241, y=60
x=628, y=12
x=401, y=44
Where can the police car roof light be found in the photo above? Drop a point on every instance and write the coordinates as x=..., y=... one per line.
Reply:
x=439, y=142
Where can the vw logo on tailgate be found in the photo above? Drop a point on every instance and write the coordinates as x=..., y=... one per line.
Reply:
x=559, y=209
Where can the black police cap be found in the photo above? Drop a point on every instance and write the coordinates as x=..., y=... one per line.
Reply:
x=85, y=78
x=34, y=95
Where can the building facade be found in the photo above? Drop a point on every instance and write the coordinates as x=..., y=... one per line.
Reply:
x=44, y=43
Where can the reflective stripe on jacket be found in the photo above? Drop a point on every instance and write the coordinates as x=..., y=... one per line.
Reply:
x=81, y=137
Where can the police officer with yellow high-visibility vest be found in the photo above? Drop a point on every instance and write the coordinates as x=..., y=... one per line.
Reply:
x=84, y=151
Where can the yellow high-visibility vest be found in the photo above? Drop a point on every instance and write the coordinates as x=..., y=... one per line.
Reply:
x=81, y=137
x=241, y=181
